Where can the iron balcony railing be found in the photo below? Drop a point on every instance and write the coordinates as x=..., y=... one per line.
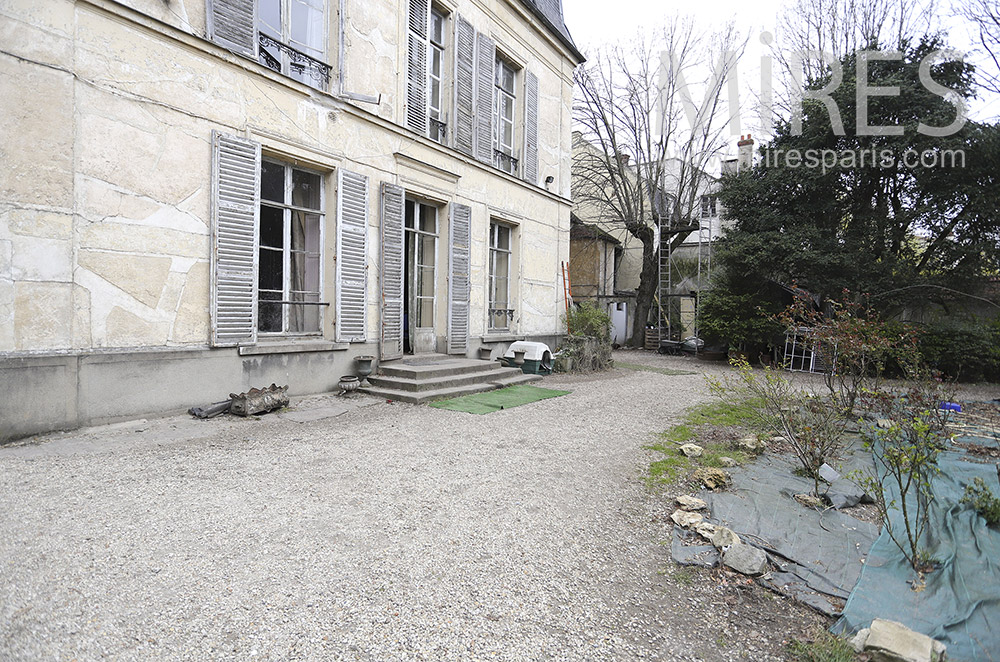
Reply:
x=438, y=130
x=504, y=161
x=301, y=67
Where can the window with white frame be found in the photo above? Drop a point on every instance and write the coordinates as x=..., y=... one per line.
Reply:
x=435, y=77
x=420, y=222
x=708, y=204
x=504, y=106
x=289, y=265
x=292, y=39
x=500, y=313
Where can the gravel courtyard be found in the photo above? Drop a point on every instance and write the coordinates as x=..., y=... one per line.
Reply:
x=389, y=532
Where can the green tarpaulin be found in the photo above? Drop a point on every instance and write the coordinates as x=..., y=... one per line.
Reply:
x=960, y=602
x=504, y=398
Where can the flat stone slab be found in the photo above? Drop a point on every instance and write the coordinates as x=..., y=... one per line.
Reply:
x=688, y=502
x=889, y=641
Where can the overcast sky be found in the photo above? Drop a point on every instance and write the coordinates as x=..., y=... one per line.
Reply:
x=592, y=22
x=595, y=22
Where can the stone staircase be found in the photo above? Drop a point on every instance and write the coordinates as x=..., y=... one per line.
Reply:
x=427, y=377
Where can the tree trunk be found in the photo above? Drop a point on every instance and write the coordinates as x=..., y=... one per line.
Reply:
x=648, y=282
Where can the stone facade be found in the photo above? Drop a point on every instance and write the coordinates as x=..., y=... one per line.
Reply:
x=107, y=207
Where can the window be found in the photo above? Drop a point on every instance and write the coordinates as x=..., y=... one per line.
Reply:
x=289, y=269
x=292, y=39
x=503, y=116
x=708, y=206
x=500, y=313
x=435, y=78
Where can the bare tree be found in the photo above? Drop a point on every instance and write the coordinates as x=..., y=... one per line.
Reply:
x=984, y=15
x=645, y=145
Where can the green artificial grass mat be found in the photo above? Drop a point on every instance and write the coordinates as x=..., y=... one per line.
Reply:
x=504, y=398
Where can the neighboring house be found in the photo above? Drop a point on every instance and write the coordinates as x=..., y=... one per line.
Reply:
x=593, y=268
x=691, y=259
x=200, y=197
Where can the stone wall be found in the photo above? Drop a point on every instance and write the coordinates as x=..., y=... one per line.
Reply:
x=109, y=109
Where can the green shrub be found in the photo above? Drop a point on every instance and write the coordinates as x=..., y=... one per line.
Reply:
x=966, y=349
x=589, y=319
x=981, y=498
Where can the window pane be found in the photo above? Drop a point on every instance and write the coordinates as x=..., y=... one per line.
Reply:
x=500, y=293
x=425, y=281
x=501, y=264
x=272, y=232
x=425, y=251
x=269, y=314
x=436, y=56
x=306, y=189
x=437, y=27
x=507, y=139
x=503, y=237
x=428, y=219
x=425, y=312
x=269, y=271
x=305, y=232
x=272, y=181
x=304, y=319
x=410, y=206
x=307, y=27
x=505, y=77
x=269, y=16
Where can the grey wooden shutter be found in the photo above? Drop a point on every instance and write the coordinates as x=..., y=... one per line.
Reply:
x=417, y=115
x=530, y=128
x=393, y=201
x=352, y=257
x=232, y=24
x=235, y=218
x=460, y=233
x=485, y=59
x=465, y=59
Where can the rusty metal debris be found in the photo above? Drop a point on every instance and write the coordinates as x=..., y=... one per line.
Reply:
x=259, y=400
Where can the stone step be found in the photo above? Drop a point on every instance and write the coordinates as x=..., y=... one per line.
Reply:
x=420, y=397
x=431, y=369
x=423, y=383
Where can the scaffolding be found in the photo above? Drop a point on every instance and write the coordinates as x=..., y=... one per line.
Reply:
x=667, y=299
x=803, y=353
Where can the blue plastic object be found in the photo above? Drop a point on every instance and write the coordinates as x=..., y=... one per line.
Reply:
x=951, y=406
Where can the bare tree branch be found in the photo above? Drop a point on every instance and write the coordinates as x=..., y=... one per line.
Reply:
x=643, y=146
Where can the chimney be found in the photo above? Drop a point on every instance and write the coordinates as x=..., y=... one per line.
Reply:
x=745, y=152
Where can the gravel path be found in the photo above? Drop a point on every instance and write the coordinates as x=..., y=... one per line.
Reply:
x=390, y=532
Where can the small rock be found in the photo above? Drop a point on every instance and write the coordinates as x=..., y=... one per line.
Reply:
x=705, y=529
x=746, y=559
x=727, y=461
x=686, y=519
x=778, y=440
x=844, y=494
x=724, y=537
x=884, y=423
x=691, y=503
x=692, y=450
x=751, y=445
x=711, y=477
x=828, y=473
x=858, y=640
x=889, y=641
